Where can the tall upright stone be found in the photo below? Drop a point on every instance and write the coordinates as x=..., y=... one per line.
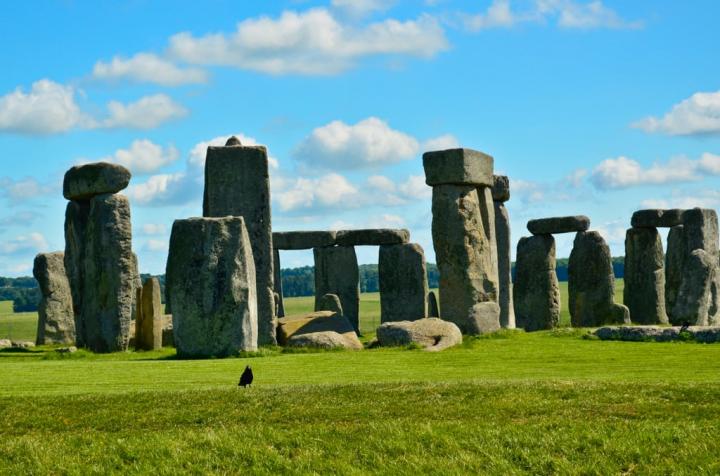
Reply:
x=211, y=281
x=644, y=292
x=433, y=308
x=463, y=232
x=76, y=220
x=149, y=323
x=500, y=194
x=591, y=283
x=277, y=284
x=698, y=302
x=237, y=183
x=536, y=293
x=674, y=265
x=336, y=272
x=109, y=274
x=56, y=321
x=403, y=283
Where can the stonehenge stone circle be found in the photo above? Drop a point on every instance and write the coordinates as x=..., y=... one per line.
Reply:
x=83, y=182
x=277, y=285
x=501, y=193
x=432, y=334
x=675, y=258
x=591, y=283
x=697, y=301
x=237, y=183
x=548, y=226
x=336, y=272
x=403, y=282
x=303, y=240
x=330, y=302
x=211, y=280
x=56, y=320
x=372, y=237
x=458, y=167
x=536, y=293
x=325, y=340
x=319, y=321
x=656, y=218
x=644, y=292
x=149, y=324
x=76, y=217
x=433, y=309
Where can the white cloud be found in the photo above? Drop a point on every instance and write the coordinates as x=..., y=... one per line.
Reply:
x=681, y=199
x=148, y=68
x=415, y=188
x=167, y=189
x=32, y=243
x=156, y=245
x=24, y=189
x=370, y=142
x=443, y=142
x=709, y=163
x=381, y=183
x=48, y=108
x=146, y=113
x=143, y=157
x=311, y=42
x=697, y=115
x=359, y=8
x=386, y=221
x=622, y=172
x=498, y=14
x=154, y=229
x=199, y=150
x=328, y=190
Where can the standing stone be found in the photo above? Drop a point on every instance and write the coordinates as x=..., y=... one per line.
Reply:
x=505, y=292
x=701, y=231
x=150, y=321
x=277, y=284
x=336, y=272
x=644, y=292
x=109, y=275
x=674, y=265
x=433, y=308
x=697, y=301
x=591, y=283
x=76, y=218
x=536, y=293
x=330, y=302
x=403, y=283
x=465, y=255
x=237, y=183
x=211, y=277
x=56, y=321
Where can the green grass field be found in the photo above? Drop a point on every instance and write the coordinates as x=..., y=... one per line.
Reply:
x=512, y=403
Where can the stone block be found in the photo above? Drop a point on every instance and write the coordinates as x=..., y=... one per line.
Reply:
x=303, y=240
x=82, y=182
x=549, y=226
x=403, y=283
x=536, y=293
x=656, y=218
x=372, y=237
x=336, y=272
x=56, y=321
x=458, y=167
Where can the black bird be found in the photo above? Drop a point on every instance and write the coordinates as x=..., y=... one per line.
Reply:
x=246, y=378
x=685, y=326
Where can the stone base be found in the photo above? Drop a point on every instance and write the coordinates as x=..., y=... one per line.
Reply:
x=659, y=334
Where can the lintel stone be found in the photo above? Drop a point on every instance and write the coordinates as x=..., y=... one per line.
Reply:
x=657, y=218
x=303, y=240
x=372, y=237
x=549, y=226
x=458, y=167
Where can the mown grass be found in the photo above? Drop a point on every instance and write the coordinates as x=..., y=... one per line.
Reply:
x=21, y=326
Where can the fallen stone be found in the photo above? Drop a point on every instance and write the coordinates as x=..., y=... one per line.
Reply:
x=656, y=218
x=211, y=280
x=372, y=237
x=56, y=320
x=150, y=321
x=644, y=292
x=237, y=183
x=705, y=335
x=325, y=340
x=76, y=218
x=330, y=302
x=501, y=188
x=697, y=301
x=66, y=350
x=505, y=290
x=674, y=265
x=83, y=182
x=303, y=240
x=5, y=343
x=22, y=344
x=548, y=226
x=316, y=322
x=336, y=272
x=403, y=283
x=432, y=334
x=458, y=167
x=536, y=293
x=433, y=309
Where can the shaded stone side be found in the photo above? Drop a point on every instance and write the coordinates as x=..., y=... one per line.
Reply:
x=403, y=283
x=277, y=285
x=591, y=283
x=109, y=275
x=303, y=240
x=336, y=272
x=372, y=237
x=433, y=308
x=569, y=224
x=536, y=293
x=149, y=335
x=458, y=167
x=76, y=218
x=644, y=292
x=56, y=321
x=465, y=256
x=656, y=218
x=701, y=231
x=211, y=278
x=674, y=265
x=505, y=288
x=237, y=183
x=697, y=300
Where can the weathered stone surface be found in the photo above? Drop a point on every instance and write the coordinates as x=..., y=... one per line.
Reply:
x=56, y=321
x=656, y=218
x=505, y=289
x=83, y=182
x=536, y=293
x=674, y=264
x=501, y=188
x=660, y=334
x=211, y=280
x=403, y=283
x=336, y=272
x=76, y=218
x=237, y=183
x=433, y=308
x=149, y=324
x=109, y=275
x=487, y=214
x=325, y=340
x=4, y=343
x=303, y=240
x=372, y=237
x=458, y=167
x=22, y=344
x=548, y=226
x=644, y=292
x=466, y=259
x=591, y=283
x=432, y=334
x=321, y=321
x=698, y=301
x=277, y=285
x=330, y=302
x=484, y=318
x=701, y=230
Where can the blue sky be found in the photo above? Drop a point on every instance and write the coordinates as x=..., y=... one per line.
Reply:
x=592, y=107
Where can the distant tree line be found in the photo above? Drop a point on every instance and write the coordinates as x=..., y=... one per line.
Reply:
x=25, y=295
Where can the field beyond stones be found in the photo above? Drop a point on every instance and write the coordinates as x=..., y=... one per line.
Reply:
x=512, y=403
